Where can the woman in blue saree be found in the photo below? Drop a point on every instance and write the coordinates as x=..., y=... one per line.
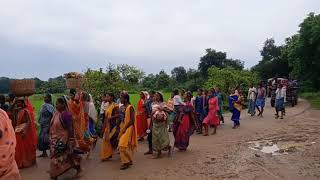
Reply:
x=46, y=114
x=235, y=108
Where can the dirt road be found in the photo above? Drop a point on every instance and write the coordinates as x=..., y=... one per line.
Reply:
x=223, y=156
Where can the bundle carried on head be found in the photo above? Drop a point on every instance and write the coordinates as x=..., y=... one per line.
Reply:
x=23, y=87
x=74, y=80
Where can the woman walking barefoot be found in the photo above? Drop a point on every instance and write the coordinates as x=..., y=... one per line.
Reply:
x=235, y=107
x=184, y=124
x=128, y=134
x=212, y=118
x=141, y=117
x=110, y=133
x=62, y=142
x=46, y=114
x=160, y=134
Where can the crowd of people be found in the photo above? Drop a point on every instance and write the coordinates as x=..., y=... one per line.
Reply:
x=71, y=127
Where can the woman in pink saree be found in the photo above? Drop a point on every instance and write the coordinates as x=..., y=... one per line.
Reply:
x=212, y=118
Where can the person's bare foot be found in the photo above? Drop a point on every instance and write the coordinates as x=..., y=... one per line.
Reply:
x=158, y=156
x=106, y=159
x=43, y=155
x=148, y=152
x=124, y=166
x=79, y=173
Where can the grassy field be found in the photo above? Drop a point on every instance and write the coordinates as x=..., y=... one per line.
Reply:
x=313, y=98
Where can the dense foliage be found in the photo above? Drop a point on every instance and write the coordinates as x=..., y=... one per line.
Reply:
x=229, y=78
x=217, y=59
x=114, y=79
x=298, y=58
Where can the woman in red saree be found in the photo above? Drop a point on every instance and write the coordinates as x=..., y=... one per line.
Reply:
x=25, y=134
x=184, y=124
x=141, y=117
x=8, y=165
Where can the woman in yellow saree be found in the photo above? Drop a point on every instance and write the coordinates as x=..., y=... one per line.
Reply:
x=110, y=137
x=128, y=134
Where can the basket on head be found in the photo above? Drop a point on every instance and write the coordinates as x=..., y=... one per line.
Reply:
x=74, y=83
x=23, y=87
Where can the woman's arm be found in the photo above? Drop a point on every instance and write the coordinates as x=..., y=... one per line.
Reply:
x=116, y=113
x=27, y=122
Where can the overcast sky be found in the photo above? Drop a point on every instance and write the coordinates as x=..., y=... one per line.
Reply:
x=45, y=38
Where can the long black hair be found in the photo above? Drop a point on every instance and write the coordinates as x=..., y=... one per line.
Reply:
x=126, y=97
x=63, y=101
x=49, y=96
x=111, y=95
x=161, y=96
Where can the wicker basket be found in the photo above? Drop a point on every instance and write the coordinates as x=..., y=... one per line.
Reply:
x=23, y=87
x=74, y=83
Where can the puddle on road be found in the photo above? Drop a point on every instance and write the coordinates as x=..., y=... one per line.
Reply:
x=280, y=148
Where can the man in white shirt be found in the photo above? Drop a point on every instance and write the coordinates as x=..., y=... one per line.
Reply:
x=279, y=104
x=260, y=100
x=252, y=95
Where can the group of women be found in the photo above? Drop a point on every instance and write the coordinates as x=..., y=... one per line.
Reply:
x=67, y=129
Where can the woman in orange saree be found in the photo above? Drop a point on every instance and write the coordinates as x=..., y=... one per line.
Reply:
x=76, y=108
x=141, y=117
x=8, y=165
x=25, y=134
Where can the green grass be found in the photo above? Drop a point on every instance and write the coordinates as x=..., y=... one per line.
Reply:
x=313, y=98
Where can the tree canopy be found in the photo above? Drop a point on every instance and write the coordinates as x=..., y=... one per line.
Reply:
x=217, y=59
x=298, y=58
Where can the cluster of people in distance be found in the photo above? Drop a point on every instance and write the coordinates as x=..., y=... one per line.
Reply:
x=257, y=96
x=68, y=127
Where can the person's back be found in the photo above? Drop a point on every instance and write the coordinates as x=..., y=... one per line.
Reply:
x=8, y=165
x=252, y=93
x=199, y=104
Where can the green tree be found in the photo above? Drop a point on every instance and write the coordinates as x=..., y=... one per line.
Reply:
x=130, y=74
x=274, y=62
x=98, y=82
x=229, y=78
x=179, y=74
x=303, y=51
x=148, y=82
x=162, y=81
x=217, y=59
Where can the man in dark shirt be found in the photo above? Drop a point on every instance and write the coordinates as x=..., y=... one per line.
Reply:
x=149, y=113
x=200, y=109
